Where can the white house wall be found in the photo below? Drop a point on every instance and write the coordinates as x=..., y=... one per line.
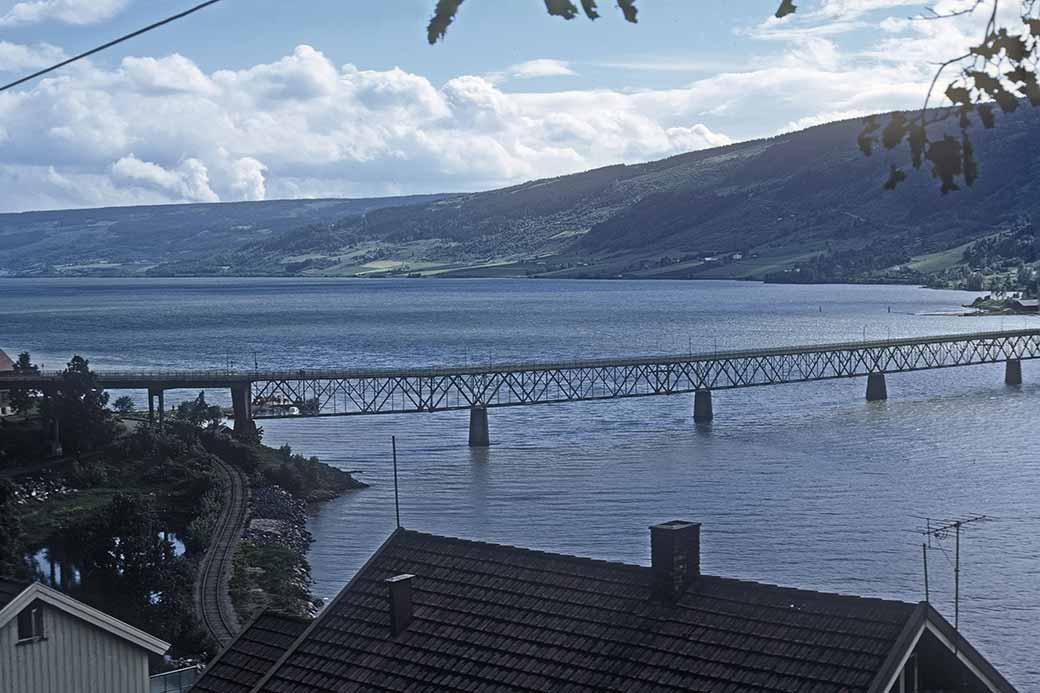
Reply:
x=75, y=657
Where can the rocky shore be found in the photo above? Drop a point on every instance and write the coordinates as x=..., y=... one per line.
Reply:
x=271, y=568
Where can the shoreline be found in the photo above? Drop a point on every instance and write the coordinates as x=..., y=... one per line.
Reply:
x=184, y=500
x=445, y=278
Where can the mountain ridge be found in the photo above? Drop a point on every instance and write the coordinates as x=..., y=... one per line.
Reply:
x=806, y=201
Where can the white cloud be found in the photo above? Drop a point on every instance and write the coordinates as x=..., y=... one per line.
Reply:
x=15, y=57
x=822, y=118
x=162, y=129
x=189, y=181
x=543, y=67
x=247, y=179
x=174, y=73
x=64, y=11
x=853, y=9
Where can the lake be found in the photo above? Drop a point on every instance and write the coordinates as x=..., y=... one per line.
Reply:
x=805, y=485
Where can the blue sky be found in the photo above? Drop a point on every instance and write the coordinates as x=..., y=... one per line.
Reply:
x=253, y=99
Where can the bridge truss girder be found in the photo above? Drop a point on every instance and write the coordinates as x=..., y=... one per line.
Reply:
x=541, y=384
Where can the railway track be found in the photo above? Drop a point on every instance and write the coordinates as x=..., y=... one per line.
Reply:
x=212, y=600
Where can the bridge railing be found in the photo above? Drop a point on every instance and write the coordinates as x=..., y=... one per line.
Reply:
x=230, y=376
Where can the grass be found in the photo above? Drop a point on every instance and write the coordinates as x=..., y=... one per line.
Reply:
x=936, y=262
x=43, y=520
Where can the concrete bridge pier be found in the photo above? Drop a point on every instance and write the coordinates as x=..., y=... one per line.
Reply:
x=1013, y=372
x=479, y=436
x=702, y=410
x=877, y=390
x=242, y=405
x=156, y=395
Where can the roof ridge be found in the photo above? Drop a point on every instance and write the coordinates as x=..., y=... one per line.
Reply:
x=802, y=590
x=636, y=566
x=524, y=549
x=274, y=613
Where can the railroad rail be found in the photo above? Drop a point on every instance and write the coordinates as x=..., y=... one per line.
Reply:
x=212, y=600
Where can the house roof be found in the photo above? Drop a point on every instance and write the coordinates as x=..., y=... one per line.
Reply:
x=251, y=654
x=6, y=364
x=39, y=592
x=9, y=589
x=489, y=617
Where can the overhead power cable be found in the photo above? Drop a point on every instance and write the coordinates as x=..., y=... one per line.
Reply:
x=127, y=37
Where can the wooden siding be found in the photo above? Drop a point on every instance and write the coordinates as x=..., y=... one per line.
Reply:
x=75, y=657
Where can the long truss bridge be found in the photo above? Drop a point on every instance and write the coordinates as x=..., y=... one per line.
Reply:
x=260, y=394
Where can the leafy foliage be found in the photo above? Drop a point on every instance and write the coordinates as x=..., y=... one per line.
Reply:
x=198, y=412
x=10, y=531
x=200, y=529
x=79, y=407
x=124, y=405
x=23, y=399
x=305, y=478
x=839, y=266
x=122, y=553
x=446, y=10
x=1018, y=244
x=1000, y=71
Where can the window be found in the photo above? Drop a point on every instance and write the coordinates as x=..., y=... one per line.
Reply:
x=30, y=622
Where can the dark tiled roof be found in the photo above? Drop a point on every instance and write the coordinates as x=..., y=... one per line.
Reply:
x=251, y=655
x=490, y=617
x=9, y=589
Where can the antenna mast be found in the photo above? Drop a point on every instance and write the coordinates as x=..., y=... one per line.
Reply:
x=941, y=530
x=397, y=500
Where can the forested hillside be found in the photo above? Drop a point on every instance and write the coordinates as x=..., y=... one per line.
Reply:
x=806, y=206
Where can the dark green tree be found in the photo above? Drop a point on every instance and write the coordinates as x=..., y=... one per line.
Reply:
x=125, y=541
x=23, y=399
x=79, y=408
x=10, y=530
x=124, y=405
x=198, y=412
x=129, y=566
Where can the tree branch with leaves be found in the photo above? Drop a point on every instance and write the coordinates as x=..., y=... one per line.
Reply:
x=1000, y=72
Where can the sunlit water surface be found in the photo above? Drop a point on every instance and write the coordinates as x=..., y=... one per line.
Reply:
x=805, y=485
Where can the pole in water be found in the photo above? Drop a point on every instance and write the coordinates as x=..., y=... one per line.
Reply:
x=397, y=499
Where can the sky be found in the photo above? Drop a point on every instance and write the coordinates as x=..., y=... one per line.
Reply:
x=269, y=99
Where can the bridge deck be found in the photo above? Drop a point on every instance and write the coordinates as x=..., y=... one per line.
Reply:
x=339, y=392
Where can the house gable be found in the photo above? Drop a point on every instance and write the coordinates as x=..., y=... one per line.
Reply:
x=72, y=607
x=928, y=630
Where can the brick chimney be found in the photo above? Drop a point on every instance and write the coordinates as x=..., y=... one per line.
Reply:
x=400, y=593
x=675, y=557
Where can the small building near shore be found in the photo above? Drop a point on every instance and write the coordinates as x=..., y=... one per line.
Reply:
x=1024, y=305
x=52, y=643
x=428, y=612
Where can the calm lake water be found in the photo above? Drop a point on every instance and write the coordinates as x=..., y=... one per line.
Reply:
x=805, y=485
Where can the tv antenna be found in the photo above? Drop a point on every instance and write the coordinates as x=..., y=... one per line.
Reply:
x=938, y=531
x=397, y=500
